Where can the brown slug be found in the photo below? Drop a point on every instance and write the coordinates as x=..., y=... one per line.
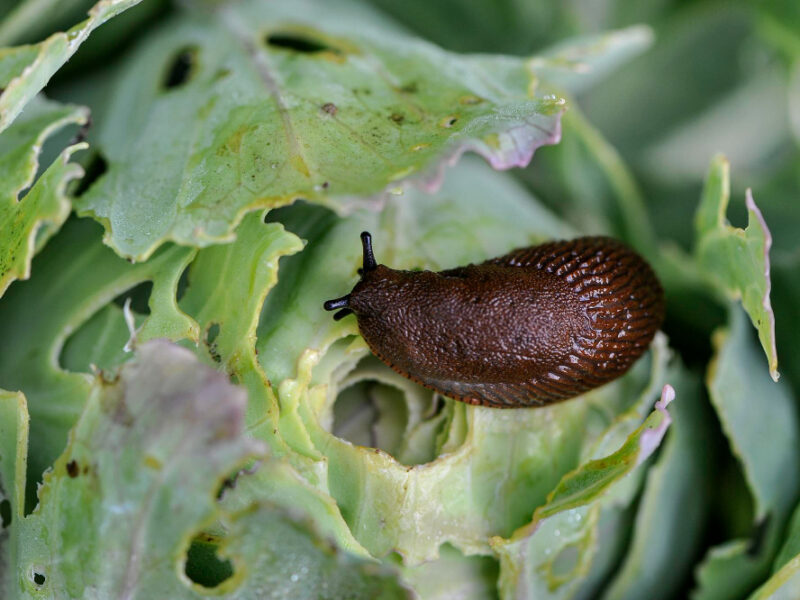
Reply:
x=536, y=326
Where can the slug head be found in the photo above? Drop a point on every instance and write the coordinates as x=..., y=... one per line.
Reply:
x=369, y=267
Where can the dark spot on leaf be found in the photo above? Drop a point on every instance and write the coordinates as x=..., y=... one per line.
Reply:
x=204, y=566
x=448, y=121
x=221, y=74
x=325, y=185
x=38, y=578
x=139, y=296
x=72, y=469
x=97, y=167
x=298, y=43
x=5, y=513
x=181, y=68
x=397, y=118
x=211, y=335
x=410, y=88
x=330, y=108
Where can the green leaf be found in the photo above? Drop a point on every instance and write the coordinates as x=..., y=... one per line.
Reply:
x=295, y=100
x=126, y=493
x=25, y=70
x=76, y=276
x=529, y=566
x=27, y=221
x=738, y=385
x=734, y=259
x=227, y=287
x=676, y=491
x=138, y=480
x=283, y=556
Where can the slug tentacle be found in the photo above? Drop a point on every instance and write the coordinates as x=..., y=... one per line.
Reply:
x=535, y=326
x=369, y=263
x=342, y=302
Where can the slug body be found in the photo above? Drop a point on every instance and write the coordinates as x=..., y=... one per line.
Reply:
x=536, y=326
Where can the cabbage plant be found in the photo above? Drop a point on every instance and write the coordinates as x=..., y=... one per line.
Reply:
x=184, y=186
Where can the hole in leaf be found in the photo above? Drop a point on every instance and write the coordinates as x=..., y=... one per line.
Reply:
x=440, y=404
x=182, y=67
x=5, y=513
x=94, y=170
x=139, y=295
x=448, y=121
x=298, y=43
x=373, y=414
x=38, y=578
x=98, y=341
x=203, y=566
x=183, y=284
x=212, y=333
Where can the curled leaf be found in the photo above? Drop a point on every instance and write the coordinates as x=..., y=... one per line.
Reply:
x=737, y=260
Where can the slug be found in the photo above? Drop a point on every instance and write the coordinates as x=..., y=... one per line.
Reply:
x=535, y=326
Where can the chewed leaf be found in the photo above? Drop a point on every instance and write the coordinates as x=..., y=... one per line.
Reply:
x=84, y=276
x=25, y=70
x=259, y=103
x=528, y=564
x=137, y=479
x=26, y=222
x=737, y=260
x=285, y=554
